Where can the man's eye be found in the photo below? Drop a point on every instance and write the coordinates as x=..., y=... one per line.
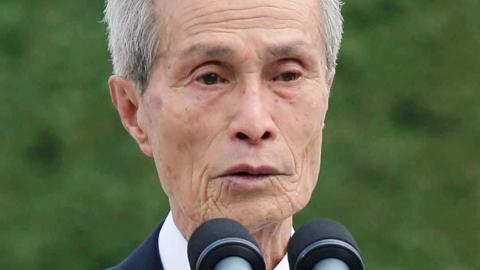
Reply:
x=287, y=77
x=210, y=78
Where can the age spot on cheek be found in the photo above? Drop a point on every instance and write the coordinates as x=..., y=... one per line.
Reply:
x=181, y=147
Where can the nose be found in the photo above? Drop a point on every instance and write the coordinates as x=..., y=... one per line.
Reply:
x=252, y=122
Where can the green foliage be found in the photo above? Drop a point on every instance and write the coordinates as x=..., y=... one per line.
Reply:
x=400, y=158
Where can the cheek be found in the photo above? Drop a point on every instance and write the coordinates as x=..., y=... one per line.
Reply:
x=302, y=123
x=300, y=188
x=181, y=137
x=171, y=138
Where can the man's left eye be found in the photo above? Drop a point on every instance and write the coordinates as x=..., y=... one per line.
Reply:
x=210, y=78
x=287, y=77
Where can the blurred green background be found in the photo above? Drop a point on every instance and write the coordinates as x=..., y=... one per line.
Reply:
x=400, y=158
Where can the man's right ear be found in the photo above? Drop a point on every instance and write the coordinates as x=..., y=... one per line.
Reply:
x=127, y=98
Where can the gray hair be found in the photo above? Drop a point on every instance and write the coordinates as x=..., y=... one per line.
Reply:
x=133, y=36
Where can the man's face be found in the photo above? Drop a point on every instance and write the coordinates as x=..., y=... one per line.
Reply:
x=235, y=107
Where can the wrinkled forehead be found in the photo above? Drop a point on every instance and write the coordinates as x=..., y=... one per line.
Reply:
x=189, y=19
x=208, y=6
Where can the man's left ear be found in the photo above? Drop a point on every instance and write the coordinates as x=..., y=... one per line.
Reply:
x=127, y=100
x=330, y=77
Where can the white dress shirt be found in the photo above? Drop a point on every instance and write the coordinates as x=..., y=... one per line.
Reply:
x=173, y=248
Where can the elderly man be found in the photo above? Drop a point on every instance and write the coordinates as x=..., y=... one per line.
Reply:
x=229, y=99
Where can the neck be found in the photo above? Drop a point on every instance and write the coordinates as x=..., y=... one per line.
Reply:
x=273, y=240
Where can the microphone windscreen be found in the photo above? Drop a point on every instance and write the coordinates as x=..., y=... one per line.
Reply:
x=315, y=231
x=217, y=230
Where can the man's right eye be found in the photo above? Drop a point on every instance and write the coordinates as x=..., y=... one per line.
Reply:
x=210, y=79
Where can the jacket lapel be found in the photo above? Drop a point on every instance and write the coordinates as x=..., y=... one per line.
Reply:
x=144, y=257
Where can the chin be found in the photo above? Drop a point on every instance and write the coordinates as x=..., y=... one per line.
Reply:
x=257, y=215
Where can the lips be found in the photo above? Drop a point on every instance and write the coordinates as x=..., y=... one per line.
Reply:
x=246, y=171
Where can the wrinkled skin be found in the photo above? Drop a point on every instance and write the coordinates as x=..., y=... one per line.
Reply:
x=235, y=83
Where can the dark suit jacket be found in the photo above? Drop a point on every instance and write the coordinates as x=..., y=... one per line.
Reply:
x=144, y=257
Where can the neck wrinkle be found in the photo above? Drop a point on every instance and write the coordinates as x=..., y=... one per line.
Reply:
x=273, y=240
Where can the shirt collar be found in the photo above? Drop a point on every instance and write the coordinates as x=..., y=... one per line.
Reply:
x=173, y=248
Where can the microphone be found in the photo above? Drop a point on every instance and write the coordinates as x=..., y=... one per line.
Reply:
x=323, y=244
x=222, y=244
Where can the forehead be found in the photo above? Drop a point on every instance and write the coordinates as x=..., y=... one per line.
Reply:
x=189, y=23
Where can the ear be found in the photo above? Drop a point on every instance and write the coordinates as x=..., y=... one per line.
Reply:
x=330, y=77
x=127, y=100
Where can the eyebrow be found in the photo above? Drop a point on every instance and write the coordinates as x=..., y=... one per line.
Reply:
x=207, y=50
x=287, y=50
